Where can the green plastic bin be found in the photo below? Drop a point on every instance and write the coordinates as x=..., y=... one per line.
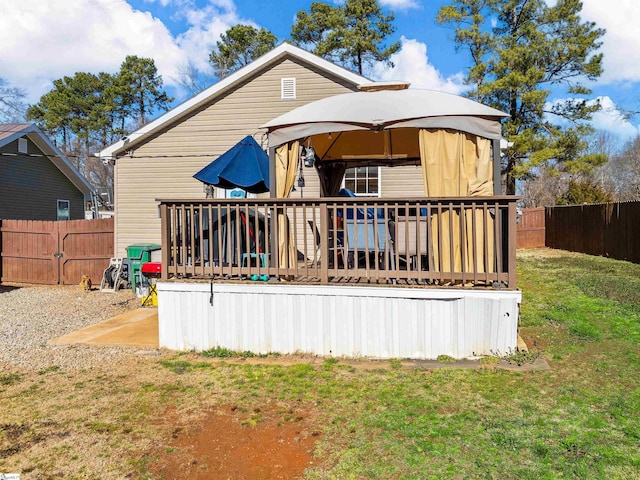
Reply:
x=139, y=253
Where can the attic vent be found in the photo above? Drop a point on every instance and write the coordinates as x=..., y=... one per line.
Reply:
x=22, y=145
x=288, y=88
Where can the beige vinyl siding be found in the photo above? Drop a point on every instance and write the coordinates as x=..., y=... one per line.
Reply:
x=164, y=166
x=30, y=186
x=404, y=181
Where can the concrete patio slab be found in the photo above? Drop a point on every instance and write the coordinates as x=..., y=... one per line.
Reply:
x=137, y=328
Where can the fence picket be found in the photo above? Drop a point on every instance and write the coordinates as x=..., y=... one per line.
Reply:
x=606, y=229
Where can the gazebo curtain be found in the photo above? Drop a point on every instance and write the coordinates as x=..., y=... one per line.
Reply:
x=330, y=177
x=287, y=157
x=454, y=164
x=458, y=164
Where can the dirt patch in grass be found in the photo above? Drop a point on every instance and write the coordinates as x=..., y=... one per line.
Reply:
x=231, y=443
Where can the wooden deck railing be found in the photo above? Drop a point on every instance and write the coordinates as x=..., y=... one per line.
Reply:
x=468, y=242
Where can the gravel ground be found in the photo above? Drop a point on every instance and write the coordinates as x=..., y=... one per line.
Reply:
x=30, y=316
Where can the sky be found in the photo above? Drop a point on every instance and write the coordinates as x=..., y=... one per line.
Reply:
x=43, y=40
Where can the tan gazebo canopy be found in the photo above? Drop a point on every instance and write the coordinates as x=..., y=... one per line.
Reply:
x=389, y=127
x=455, y=140
x=376, y=111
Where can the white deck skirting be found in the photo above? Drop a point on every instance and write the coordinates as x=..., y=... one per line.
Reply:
x=351, y=321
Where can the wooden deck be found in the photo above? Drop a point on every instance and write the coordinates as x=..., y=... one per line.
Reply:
x=464, y=242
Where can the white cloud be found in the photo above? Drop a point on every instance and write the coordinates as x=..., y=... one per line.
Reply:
x=205, y=27
x=411, y=64
x=40, y=41
x=164, y=3
x=621, y=45
x=621, y=42
x=399, y=4
x=611, y=119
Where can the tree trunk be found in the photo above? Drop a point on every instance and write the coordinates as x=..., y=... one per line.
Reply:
x=510, y=180
x=141, y=106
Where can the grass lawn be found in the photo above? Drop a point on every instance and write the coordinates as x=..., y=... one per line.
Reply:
x=580, y=419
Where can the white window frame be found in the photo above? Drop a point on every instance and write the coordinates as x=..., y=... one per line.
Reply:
x=23, y=145
x=359, y=194
x=58, y=210
x=288, y=88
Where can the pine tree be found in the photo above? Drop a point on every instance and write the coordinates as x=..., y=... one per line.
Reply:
x=139, y=87
x=85, y=111
x=520, y=50
x=239, y=46
x=351, y=34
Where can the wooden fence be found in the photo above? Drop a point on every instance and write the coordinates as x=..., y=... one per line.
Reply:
x=530, y=228
x=607, y=229
x=54, y=253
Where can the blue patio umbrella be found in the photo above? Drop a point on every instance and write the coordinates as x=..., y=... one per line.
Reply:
x=244, y=166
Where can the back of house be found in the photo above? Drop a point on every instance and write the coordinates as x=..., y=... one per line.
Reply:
x=160, y=159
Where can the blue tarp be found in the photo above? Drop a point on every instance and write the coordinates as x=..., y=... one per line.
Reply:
x=244, y=166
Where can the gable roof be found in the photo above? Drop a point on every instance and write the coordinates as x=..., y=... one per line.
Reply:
x=13, y=131
x=281, y=51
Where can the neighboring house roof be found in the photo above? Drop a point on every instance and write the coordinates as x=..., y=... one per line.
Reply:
x=13, y=131
x=206, y=96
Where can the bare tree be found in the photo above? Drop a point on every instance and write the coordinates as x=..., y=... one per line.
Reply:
x=623, y=172
x=544, y=189
x=192, y=79
x=12, y=105
x=98, y=173
x=606, y=144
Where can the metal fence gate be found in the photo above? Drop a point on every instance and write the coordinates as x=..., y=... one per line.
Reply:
x=54, y=253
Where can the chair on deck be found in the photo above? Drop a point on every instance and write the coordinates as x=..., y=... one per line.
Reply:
x=314, y=258
x=365, y=232
x=412, y=242
x=237, y=193
x=252, y=256
x=367, y=236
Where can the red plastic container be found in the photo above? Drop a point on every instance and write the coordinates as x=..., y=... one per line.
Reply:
x=151, y=269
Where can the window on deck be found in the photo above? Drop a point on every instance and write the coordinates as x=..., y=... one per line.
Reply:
x=363, y=181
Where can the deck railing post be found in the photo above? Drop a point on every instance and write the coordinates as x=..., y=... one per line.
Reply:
x=324, y=243
x=165, y=225
x=512, y=236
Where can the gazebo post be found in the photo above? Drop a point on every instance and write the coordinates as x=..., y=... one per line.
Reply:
x=272, y=194
x=497, y=171
x=272, y=172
